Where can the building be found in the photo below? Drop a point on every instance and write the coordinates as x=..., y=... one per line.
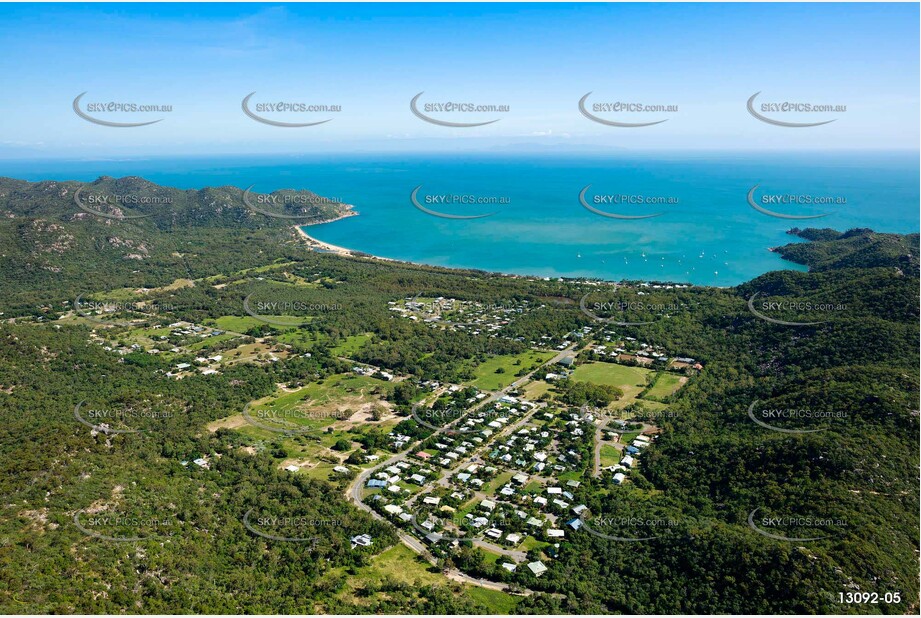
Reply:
x=362, y=540
x=433, y=537
x=537, y=567
x=575, y=523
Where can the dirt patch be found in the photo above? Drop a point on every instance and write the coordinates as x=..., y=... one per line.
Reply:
x=232, y=422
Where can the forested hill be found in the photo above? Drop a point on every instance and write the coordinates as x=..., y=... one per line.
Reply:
x=70, y=237
x=857, y=248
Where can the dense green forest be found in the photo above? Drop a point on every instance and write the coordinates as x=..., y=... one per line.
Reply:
x=855, y=360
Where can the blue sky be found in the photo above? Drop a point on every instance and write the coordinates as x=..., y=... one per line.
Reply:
x=539, y=59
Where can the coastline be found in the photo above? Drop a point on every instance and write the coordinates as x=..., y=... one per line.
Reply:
x=316, y=244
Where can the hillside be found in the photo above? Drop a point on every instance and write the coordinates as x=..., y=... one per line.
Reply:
x=72, y=237
x=858, y=248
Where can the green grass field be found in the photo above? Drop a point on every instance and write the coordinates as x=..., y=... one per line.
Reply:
x=401, y=564
x=665, y=385
x=609, y=456
x=300, y=337
x=533, y=487
x=351, y=345
x=488, y=379
x=631, y=380
x=537, y=388
x=243, y=323
x=530, y=543
x=501, y=479
x=318, y=400
x=211, y=341
x=493, y=601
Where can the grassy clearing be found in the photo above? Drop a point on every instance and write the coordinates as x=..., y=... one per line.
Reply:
x=300, y=337
x=401, y=564
x=211, y=341
x=533, y=487
x=351, y=345
x=530, y=543
x=666, y=384
x=335, y=396
x=571, y=475
x=339, y=408
x=610, y=456
x=535, y=389
x=631, y=380
x=501, y=479
x=493, y=601
x=243, y=323
x=247, y=352
x=508, y=365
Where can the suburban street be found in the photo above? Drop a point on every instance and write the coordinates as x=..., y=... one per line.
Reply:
x=354, y=490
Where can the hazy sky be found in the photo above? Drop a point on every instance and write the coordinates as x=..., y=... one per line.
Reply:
x=539, y=59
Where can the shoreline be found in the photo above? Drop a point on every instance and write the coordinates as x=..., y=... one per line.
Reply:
x=316, y=244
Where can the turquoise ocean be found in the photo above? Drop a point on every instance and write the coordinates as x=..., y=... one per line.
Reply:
x=707, y=232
